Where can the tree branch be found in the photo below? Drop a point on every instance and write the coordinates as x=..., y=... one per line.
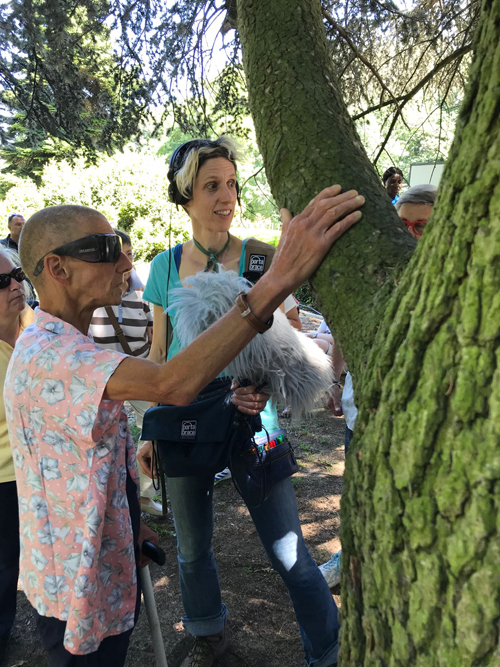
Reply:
x=359, y=55
x=252, y=176
x=406, y=98
x=387, y=136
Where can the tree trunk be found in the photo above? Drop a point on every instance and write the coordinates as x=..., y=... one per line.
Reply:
x=421, y=549
x=308, y=141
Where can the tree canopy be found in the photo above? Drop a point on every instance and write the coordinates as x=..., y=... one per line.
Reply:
x=86, y=75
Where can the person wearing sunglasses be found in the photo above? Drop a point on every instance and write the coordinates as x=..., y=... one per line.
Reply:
x=15, y=315
x=414, y=207
x=73, y=452
x=128, y=328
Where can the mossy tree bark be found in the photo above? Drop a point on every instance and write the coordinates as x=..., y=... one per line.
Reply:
x=308, y=141
x=420, y=533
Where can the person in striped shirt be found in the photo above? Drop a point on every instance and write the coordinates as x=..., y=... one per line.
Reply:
x=133, y=316
x=128, y=328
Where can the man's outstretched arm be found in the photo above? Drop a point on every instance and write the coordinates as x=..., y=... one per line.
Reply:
x=304, y=242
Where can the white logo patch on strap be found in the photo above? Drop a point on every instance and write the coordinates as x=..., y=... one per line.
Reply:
x=257, y=263
x=188, y=429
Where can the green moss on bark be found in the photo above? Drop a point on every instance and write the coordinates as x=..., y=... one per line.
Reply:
x=420, y=527
x=429, y=413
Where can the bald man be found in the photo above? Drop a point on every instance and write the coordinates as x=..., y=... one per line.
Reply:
x=74, y=455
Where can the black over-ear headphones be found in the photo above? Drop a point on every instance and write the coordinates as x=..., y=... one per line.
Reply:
x=175, y=164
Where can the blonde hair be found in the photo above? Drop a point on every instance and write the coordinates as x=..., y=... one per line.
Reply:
x=225, y=147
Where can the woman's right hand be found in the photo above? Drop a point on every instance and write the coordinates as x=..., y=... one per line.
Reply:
x=248, y=399
x=145, y=458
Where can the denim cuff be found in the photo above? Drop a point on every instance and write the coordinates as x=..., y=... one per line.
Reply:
x=210, y=625
x=328, y=658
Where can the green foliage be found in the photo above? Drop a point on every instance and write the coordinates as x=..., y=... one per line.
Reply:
x=82, y=78
x=63, y=86
x=305, y=296
x=130, y=189
x=425, y=137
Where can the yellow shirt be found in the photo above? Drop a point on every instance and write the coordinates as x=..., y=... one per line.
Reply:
x=7, y=473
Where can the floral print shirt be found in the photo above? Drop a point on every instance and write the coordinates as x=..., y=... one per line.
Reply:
x=71, y=451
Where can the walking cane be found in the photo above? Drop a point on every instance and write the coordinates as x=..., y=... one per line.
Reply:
x=157, y=555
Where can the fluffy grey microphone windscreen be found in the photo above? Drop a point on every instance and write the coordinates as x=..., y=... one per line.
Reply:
x=290, y=365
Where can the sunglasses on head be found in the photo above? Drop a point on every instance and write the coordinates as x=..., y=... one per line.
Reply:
x=17, y=274
x=98, y=248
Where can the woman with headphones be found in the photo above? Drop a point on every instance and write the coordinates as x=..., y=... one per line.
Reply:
x=203, y=181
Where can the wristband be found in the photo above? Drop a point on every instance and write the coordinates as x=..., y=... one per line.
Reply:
x=246, y=312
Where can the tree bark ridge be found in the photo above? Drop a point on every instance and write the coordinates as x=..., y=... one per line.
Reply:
x=421, y=572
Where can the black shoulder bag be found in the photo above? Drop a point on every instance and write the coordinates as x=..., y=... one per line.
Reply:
x=197, y=439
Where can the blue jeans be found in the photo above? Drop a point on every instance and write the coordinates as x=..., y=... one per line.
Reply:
x=277, y=522
x=347, y=439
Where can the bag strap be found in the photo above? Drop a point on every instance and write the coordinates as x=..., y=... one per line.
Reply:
x=258, y=259
x=119, y=332
x=176, y=254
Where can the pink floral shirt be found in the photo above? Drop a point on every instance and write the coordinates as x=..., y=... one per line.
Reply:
x=71, y=452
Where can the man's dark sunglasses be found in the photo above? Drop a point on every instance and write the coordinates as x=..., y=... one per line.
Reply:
x=96, y=248
x=17, y=273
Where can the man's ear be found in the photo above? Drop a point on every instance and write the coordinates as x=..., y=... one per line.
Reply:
x=57, y=268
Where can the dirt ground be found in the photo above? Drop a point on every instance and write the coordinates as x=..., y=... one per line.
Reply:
x=261, y=624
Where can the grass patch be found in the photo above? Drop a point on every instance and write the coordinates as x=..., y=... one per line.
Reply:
x=135, y=432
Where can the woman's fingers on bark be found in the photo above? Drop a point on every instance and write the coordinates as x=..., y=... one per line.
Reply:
x=330, y=209
x=341, y=206
x=330, y=202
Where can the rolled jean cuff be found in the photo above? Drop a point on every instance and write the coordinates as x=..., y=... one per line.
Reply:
x=328, y=658
x=210, y=625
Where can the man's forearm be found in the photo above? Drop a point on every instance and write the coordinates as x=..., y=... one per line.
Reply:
x=181, y=379
x=211, y=352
